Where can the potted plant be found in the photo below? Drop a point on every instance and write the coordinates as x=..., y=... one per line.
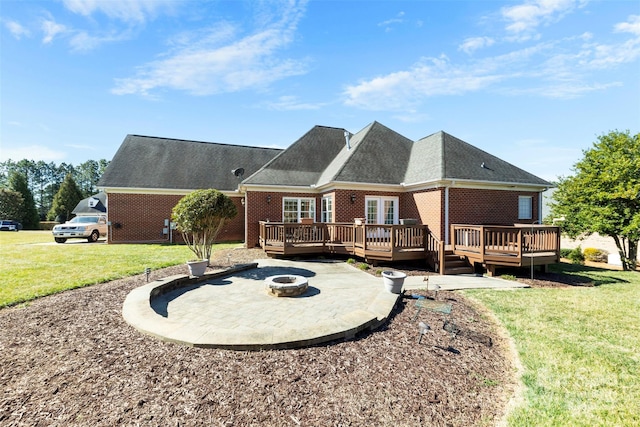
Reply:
x=393, y=281
x=199, y=217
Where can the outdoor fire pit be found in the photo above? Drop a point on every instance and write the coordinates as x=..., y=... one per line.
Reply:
x=286, y=285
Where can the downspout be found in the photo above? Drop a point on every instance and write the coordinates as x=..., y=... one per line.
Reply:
x=540, y=201
x=446, y=215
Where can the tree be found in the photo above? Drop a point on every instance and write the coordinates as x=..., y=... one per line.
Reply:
x=199, y=216
x=65, y=200
x=604, y=194
x=10, y=204
x=28, y=213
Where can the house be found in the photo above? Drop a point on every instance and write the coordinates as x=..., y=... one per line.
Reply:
x=328, y=176
x=94, y=205
x=148, y=176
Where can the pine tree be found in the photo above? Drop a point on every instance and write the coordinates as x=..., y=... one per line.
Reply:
x=65, y=200
x=28, y=212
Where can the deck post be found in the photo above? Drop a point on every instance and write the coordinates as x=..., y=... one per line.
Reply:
x=441, y=257
x=520, y=243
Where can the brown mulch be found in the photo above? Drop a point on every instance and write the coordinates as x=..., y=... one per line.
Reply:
x=70, y=359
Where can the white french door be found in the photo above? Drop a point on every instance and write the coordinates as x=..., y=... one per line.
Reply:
x=381, y=210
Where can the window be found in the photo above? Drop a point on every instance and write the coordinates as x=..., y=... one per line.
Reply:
x=294, y=209
x=381, y=210
x=327, y=209
x=525, y=207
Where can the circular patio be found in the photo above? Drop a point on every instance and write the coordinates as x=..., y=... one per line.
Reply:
x=230, y=309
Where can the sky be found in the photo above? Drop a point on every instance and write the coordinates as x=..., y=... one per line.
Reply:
x=534, y=82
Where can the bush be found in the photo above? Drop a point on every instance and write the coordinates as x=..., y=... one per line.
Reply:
x=564, y=253
x=595, y=255
x=199, y=216
x=576, y=256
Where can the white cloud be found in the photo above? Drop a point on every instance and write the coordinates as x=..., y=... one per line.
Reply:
x=631, y=26
x=403, y=90
x=51, y=29
x=525, y=18
x=472, y=44
x=399, y=19
x=31, y=152
x=561, y=69
x=82, y=41
x=16, y=29
x=124, y=10
x=213, y=64
x=291, y=103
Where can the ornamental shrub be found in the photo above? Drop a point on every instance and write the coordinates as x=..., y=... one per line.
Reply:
x=576, y=256
x=199, y=216
x=595, y=255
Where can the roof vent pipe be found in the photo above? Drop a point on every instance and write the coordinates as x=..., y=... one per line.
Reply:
x=346, y=137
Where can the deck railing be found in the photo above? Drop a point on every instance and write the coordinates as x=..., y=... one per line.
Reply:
x=487, y=242
x=490, y=245
x=353, y=238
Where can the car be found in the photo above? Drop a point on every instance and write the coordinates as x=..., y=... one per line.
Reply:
x=8, y=225
x=90, y=227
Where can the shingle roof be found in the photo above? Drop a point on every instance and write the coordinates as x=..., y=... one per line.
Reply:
x=304, y=161
x=91, y=205
x=376, y=155
x=163, y=163
x=442, y=156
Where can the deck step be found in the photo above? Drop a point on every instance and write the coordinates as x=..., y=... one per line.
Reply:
x=458, y=270
x=456, y=264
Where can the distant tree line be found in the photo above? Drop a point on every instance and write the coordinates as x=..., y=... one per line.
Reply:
x=31, y=191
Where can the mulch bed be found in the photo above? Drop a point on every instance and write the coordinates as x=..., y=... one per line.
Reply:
x=70, y=359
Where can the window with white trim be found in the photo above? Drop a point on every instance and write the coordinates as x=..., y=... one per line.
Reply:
x=525, y=207
x=381, y=210
x=327, y=209
x=294, y=209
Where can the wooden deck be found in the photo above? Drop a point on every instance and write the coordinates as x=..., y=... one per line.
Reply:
x=489, y=246
x=517, y=246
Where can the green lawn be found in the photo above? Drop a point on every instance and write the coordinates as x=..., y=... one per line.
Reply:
x=579, y=346
x=33, y=265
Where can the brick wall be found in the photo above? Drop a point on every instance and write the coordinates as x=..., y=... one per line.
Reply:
x=473, y=206
x=428, y=208
x=466, y=206
x=140, y=218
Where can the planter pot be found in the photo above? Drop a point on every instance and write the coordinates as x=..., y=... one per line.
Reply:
x=393, y=281
x=197, y=268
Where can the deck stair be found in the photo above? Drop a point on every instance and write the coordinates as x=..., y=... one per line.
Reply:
x=456, y=264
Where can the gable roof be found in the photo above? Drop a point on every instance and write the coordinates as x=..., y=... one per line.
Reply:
x=379, y=155
x=95, y=204
x=164, y=163
x=376, y=154
x=441, y=156
x=304, y=161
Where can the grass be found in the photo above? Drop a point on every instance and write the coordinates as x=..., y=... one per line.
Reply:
x=34, y=266
x=579, y=346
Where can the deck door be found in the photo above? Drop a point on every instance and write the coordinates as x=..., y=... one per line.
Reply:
x=381, y=210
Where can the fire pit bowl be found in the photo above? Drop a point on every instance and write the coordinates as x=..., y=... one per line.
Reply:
x=286, y=285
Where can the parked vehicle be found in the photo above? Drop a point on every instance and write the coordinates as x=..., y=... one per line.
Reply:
x=89, y=227
x=8, y=225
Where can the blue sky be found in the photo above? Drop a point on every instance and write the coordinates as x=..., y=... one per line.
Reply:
x=531, y=81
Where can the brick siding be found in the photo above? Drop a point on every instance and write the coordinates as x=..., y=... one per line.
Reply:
x=487, y=207
x=140, y=218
